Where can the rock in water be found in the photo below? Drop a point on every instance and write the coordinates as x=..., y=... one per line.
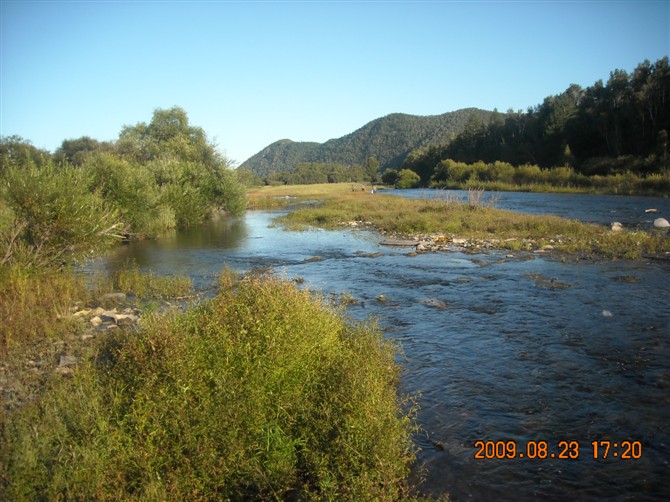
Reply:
x=661, y=223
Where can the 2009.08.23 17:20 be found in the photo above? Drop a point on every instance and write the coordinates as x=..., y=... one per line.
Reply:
x=566, y=450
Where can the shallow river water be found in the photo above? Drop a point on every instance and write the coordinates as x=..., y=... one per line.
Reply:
x=520, y=351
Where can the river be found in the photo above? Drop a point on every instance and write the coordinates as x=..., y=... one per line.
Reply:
x=517, y=351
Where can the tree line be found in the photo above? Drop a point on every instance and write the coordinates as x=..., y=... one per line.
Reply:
x=156, y=176
x=308, y=173
x=606, y=129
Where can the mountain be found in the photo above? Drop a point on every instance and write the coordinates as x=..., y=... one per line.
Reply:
x=389, y=139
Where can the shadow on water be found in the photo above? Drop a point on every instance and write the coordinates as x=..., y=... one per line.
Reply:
x=496, y=348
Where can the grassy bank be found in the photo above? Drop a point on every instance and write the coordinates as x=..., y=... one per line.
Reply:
x=446, y=219
x=263, y=392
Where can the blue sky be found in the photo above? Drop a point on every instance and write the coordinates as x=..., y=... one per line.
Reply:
x=250, y=73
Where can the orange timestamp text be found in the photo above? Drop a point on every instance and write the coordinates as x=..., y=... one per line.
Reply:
x=562, y=450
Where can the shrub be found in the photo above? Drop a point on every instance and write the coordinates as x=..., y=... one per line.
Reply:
x=262, y=392
x=407, y=179
x=130, y=187
x=55, y=218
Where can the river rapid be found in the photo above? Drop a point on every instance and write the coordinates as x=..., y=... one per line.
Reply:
x=509, y=355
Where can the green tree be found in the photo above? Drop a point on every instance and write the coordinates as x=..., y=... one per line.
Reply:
x=75, y=151
x=407, y=179
x=390, y=176
x=16, y=151
x=170, y=138
x=372, y=170
x=169, y=134
x=129, y=187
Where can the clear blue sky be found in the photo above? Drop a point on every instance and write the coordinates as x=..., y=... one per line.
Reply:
x=250, y=73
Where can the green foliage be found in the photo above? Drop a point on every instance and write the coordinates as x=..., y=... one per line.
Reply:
x=390, y=177
x=196, y=175
x=75, y=151
x=248, y=178
x=55, y=216
x=167, y=174
x=626, y=117
x=264, y=392
x=16, y=152
x=407, y=179
x=503, y=176
x=129, y=187
x=372, y=170
x=169, y=134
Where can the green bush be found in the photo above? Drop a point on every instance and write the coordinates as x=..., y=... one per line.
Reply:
x=407, y=179
x=51, y=216
x=131, y=188
x=264, y=392
x=191, y=189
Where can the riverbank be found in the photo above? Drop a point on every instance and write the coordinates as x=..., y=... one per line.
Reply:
x=473, y=224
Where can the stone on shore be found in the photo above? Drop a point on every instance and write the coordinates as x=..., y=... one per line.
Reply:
x=125, y=319
x=661, y=223
x=65, y=360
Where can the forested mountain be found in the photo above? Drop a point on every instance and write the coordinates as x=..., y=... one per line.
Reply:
x=611, y=127
x=388, y=139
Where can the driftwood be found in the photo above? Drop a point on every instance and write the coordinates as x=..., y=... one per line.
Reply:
x=400, y=243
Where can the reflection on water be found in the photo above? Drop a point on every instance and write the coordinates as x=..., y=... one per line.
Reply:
x=495, y=347
x=180, y=252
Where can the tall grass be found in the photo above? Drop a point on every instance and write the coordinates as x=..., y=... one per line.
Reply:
x=264, y=392
x=36, y=306
x=146, y=285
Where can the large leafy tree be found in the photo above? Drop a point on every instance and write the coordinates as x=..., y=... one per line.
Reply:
x=75, y=151
x=169, y=134
x=170, y=138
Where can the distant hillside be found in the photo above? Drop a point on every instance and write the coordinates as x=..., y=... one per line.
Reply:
x=389, y=139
